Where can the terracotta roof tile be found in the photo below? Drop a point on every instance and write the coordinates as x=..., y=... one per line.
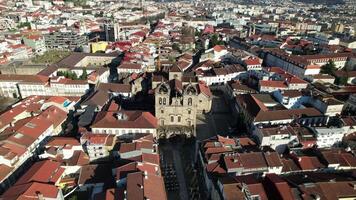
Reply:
x=46, y=171
x=30, y=191
x=132, y=119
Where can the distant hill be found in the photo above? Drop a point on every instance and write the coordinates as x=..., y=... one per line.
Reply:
x=328, y=2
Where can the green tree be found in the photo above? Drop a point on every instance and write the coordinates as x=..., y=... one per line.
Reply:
x=328, y=68
x=24, y=24
x=73, y=76
x=84, y=75
x=175, y=46
x=68, y=74
x=60, y=73
x=198, y=33
x=341, y=80
x=214, y=40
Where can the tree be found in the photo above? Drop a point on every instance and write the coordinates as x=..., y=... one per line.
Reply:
x=24, y=24
x=198, y=33
x=341, y=80
x=214, y=40
x=84, y=75
x=72, y=75
x=60, y=73
x=68, y=74
x=328, y=68
x=175, y=46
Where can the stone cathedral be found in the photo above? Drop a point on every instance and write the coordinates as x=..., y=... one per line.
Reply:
x=178, y=100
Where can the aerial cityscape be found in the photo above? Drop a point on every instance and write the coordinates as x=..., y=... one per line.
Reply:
x=178, y=100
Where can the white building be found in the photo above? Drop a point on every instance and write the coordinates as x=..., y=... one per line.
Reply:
x=28, y=85
x=324, y=39
x=276, y=137
x=328, y=137
x=98, y=146
x=130, y=68
x=289, y=98
x=124, y=123
x=220, y=75
x=214, y=53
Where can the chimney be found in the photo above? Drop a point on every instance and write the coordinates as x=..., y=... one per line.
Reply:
x=120, y=116
x=39, y=195
x=145, y=173
x=235, y=160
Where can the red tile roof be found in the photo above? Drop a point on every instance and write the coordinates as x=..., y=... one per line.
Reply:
x=203, y=88
x=55, y=115
x=219, y=48
x=60, y=141
x=252, y=61
x=98, y=139
x=272, y=83
x=154, y=187
x=31, y=191
x=23, y=78
x=45, y=171
x=253, y=160
x=281, y=189
x=309, y=163
x=132, y=119
x=139, y=33
x=4, y=171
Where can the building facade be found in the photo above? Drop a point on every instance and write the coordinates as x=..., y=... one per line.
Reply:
x=176, y=104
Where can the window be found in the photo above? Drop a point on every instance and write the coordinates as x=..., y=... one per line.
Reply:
x=164, y=101
x=162, y=122
x=162, y=111
x=190, y=101
x=179, y=118
x=172, y=119
x=189, y=112
x=160, y=101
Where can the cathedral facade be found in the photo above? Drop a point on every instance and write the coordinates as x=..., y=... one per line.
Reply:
x=178, y=100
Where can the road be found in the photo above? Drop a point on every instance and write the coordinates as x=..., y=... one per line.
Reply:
x=183, y=191
x=171, y=156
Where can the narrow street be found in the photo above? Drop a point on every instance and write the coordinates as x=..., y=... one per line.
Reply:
x=183, y=192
